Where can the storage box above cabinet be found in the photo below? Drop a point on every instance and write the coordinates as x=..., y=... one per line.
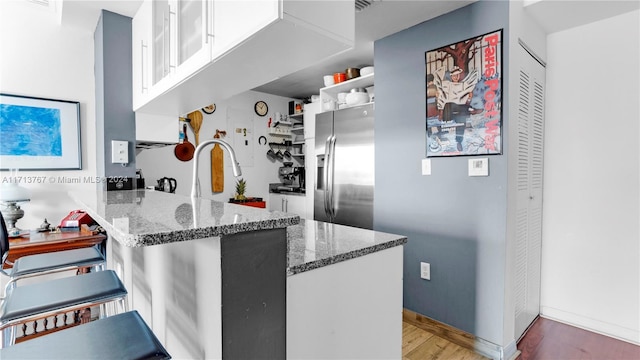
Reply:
x=251, y=48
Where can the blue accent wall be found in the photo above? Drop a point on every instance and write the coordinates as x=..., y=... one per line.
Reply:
x=115, y=119
x=454, y=222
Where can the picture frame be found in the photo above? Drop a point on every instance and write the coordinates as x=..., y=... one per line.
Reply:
x=39, y=134
x=464, y=97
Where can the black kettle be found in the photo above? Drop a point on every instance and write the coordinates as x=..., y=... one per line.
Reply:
x=167, y=185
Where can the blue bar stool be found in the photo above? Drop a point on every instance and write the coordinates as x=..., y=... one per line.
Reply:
x=123, y=336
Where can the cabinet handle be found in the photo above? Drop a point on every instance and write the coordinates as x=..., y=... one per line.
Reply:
x=165, y=47
x=170, y=53
x=208, y=11
x=143, y=55
x=286, y=205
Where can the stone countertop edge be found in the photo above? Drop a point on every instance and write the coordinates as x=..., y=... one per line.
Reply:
x=159, y=238
x=297, y=269
x=168, y=236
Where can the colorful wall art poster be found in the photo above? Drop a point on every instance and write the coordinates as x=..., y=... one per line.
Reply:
x=464, y=97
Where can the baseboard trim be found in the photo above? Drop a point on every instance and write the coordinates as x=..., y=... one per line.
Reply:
x=600, y=327
x=510, y=351
x=460, y=337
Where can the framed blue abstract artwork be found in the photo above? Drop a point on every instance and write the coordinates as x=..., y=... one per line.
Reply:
x=39, y=134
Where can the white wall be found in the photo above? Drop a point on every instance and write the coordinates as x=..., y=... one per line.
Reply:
x=42, y=59
x=231, y=114
x=591, y=237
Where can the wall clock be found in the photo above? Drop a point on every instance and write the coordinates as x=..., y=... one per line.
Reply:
x=261, y=108
x=209, y=109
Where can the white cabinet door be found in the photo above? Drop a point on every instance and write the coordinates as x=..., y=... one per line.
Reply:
x=276, y=202
x=140, y=53
x=294, y=204
x=172, y=39
x=161, y=21
x=194, y=36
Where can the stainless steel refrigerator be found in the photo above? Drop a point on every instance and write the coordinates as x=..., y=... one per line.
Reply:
x=344, y=174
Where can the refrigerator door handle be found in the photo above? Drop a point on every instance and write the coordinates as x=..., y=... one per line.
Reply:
x=325, y=175
x=331, y=176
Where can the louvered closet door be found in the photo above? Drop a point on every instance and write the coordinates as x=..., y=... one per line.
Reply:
x=529, y=188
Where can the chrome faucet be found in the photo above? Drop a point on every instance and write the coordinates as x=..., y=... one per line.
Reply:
x=195, y=187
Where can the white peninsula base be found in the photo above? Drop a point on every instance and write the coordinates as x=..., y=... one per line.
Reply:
x=349, y=310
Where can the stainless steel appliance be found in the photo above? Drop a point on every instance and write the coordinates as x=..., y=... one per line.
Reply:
x=292, y=178
x=287, y=174
x=344, y=175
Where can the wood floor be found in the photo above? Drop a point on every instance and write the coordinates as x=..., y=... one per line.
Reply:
x=548, y=339
x=545, y=340
x=419, y=344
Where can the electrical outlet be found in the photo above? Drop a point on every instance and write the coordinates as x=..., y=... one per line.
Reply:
x=425, y=270
x=119, y=152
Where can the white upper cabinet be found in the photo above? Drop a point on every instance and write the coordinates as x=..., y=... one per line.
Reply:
x=161, y=32
x=190, y=53
x=171, y=40
x=194, y=35
x=141, y=52
x=182, y=37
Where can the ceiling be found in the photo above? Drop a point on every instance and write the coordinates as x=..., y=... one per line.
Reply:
x=552, y=15
x=85, y=13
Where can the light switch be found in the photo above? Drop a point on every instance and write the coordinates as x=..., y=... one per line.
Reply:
x=479, y=167
x=426, y=166
x=119, y=152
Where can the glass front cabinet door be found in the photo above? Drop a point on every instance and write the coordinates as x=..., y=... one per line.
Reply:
x=182, y=37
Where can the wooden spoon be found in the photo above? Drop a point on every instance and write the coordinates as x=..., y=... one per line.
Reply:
x=196, y=122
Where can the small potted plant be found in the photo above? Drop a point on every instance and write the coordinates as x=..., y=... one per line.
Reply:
x=241, y=187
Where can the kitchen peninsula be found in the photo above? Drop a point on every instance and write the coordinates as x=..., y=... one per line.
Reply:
x=220, y=280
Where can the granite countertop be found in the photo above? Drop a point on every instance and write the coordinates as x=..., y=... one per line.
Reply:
x=138, y=218
x=314, y=244
x=147, y=217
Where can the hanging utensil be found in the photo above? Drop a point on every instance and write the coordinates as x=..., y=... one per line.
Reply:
x=196, y=122
x=185, y=150
x=217, y=165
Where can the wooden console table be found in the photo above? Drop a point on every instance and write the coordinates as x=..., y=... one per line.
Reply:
x=43, y=242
